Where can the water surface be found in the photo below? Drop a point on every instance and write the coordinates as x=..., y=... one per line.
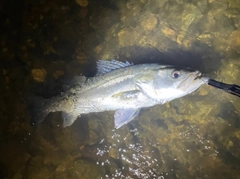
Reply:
x=45, y=43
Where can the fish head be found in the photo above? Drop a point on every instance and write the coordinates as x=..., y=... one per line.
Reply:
x=170, y=83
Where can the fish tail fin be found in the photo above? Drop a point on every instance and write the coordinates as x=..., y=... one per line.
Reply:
x=37, y=109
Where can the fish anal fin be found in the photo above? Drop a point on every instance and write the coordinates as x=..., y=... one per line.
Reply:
x=68, y=118
x=123, y=116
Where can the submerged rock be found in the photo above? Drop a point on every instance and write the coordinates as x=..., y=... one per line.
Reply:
x=39, y=74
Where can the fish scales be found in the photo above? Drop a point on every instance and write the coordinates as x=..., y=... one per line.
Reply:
x=123, y=87
x=116, y=76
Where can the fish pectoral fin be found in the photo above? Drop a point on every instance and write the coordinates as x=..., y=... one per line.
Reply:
x=123, y=116
x=68, y=119
x=127, y=95
x=145, y=84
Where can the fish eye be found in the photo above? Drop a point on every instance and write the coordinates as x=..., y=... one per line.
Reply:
x=175, y=74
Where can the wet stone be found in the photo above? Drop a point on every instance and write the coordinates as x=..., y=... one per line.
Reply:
x=234, y=4
x=114, y=153
x=206, y=38
x=81, y=58
x=93, y=124
x=93, y=137
x=149, y=23
x=18, y=176
x=126, y=37
x=58, y=74
x=231, y=13
x=235, y=40
x=82, y=3
x=78, y=169
x=237, y=134
x=39, y=74
x=203, y=91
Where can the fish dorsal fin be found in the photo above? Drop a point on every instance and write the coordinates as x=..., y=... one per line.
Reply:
x=104, y=66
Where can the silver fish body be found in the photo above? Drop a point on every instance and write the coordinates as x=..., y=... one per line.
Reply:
x=123, y=87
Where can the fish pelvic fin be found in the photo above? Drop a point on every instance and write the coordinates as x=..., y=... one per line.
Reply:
x=38, y=109
x=68, y=118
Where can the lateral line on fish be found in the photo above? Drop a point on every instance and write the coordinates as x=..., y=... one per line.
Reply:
x=103, y=82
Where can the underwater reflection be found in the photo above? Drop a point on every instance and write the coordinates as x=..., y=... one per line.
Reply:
x=128, y=157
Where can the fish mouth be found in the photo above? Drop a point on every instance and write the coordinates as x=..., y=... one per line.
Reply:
x=193, y=79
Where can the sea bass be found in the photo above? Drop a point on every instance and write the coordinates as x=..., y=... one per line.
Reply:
x=119, y=86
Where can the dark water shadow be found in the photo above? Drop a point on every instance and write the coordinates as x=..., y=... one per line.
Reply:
x=201, y=58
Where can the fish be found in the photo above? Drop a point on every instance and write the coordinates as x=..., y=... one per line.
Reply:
x=121, y=87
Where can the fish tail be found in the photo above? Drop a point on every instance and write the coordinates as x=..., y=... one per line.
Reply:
x=38, y=109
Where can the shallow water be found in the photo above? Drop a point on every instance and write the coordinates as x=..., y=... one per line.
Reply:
x=45, y=43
